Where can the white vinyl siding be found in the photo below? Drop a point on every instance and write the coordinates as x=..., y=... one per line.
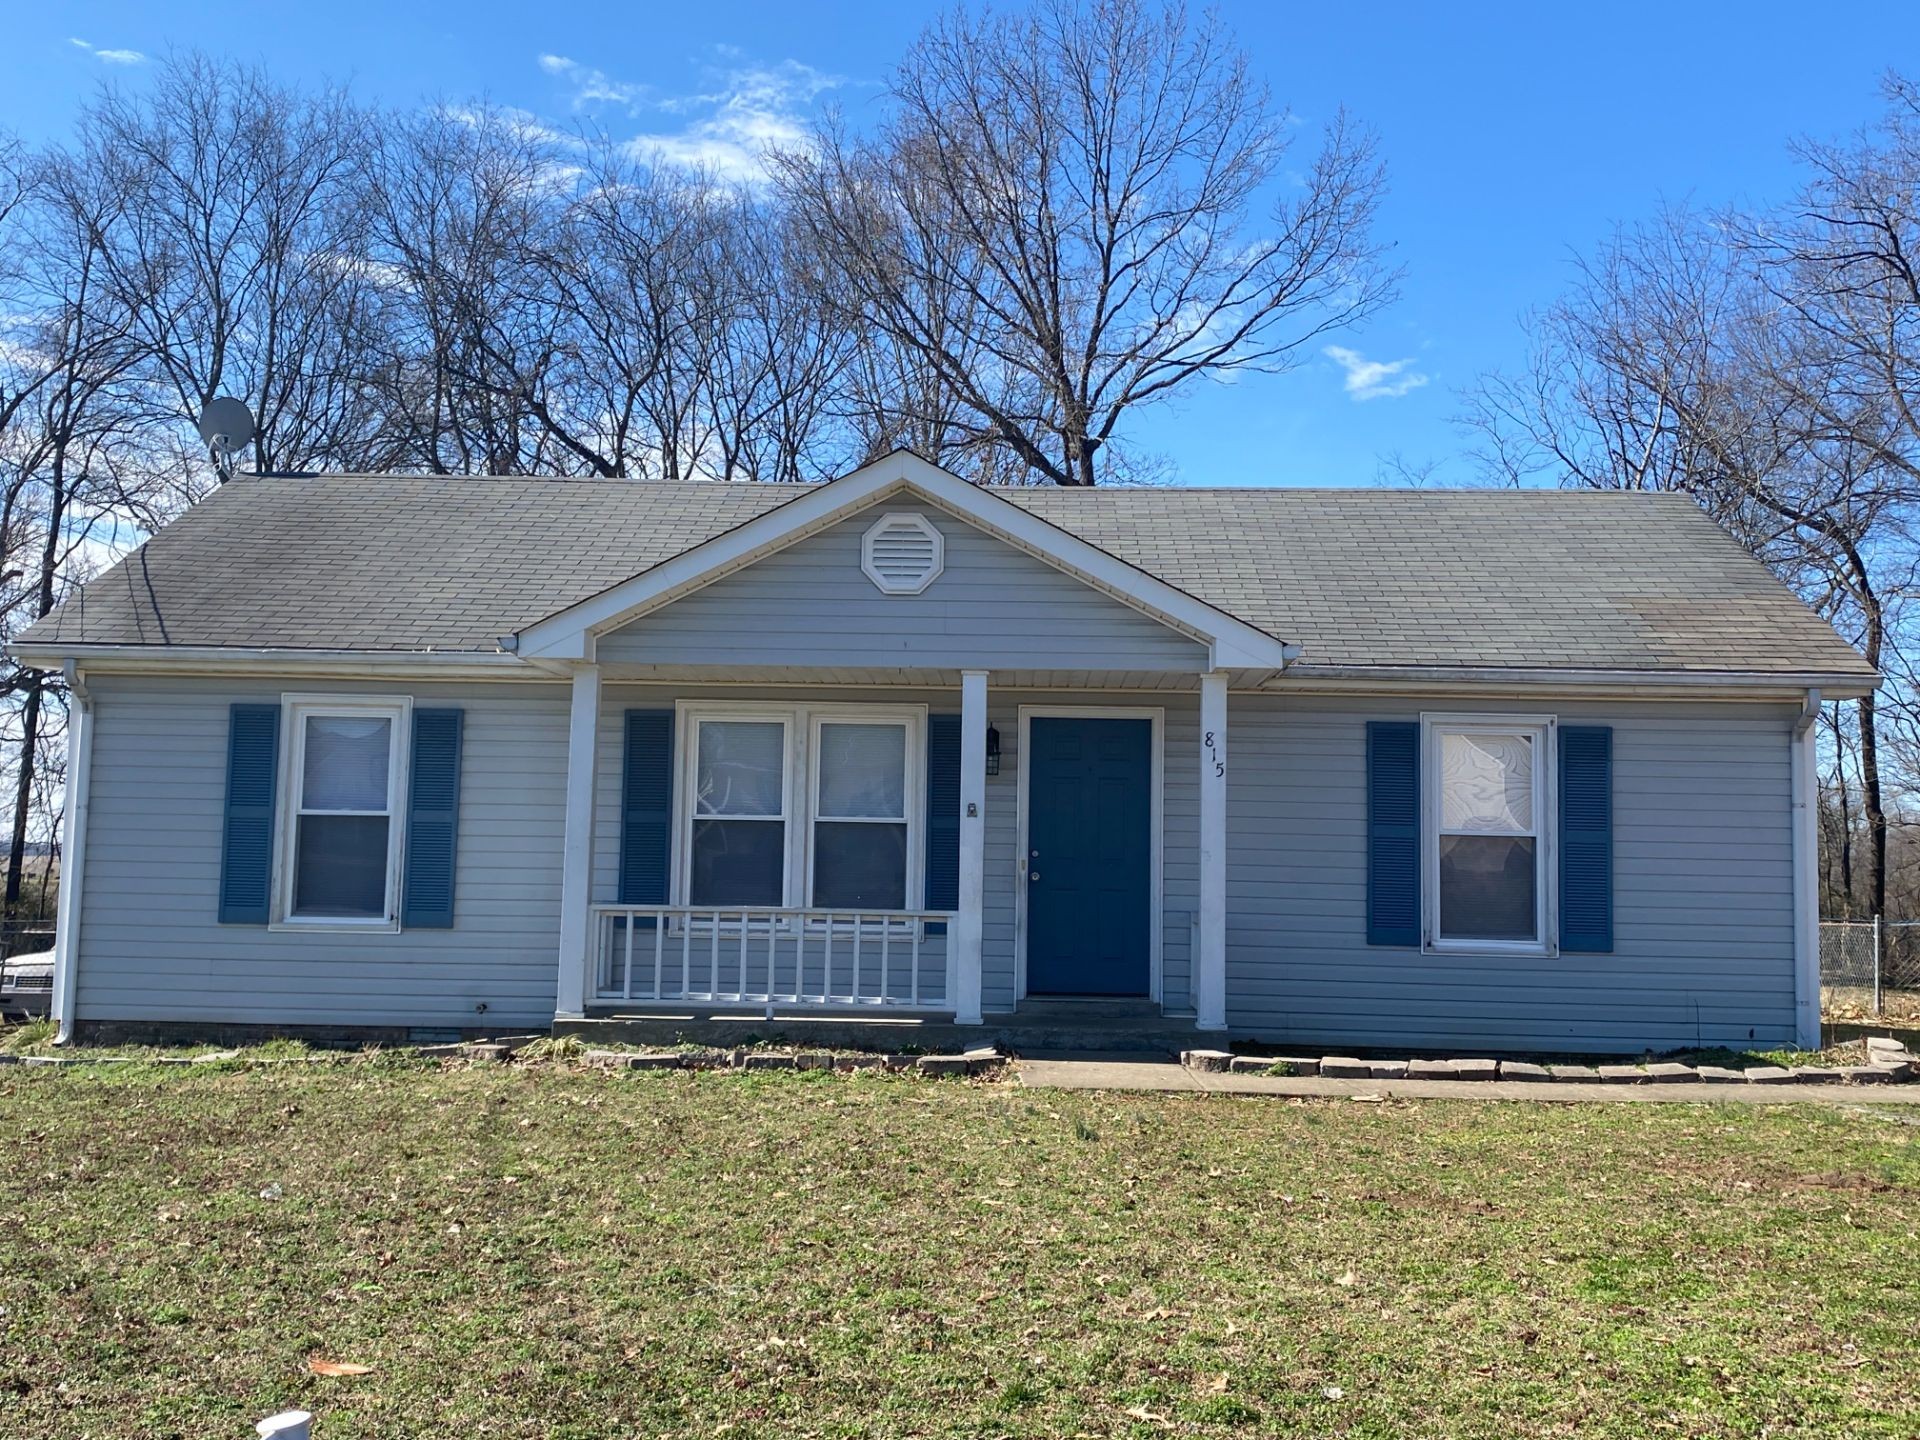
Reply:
x=1703, y=893
x=151, y=944
x=1703, y=879
x=991, y=607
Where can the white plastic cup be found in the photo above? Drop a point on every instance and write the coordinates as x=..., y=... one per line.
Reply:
x=287, y=1425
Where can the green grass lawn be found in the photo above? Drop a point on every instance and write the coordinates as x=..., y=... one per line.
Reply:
x=542, y=1251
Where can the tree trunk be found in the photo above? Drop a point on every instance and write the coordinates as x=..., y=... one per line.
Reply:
x=1870, y=797
x=36, y=695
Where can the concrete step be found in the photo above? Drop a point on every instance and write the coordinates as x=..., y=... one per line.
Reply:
x=1075, y=1008
x=1018, y=1035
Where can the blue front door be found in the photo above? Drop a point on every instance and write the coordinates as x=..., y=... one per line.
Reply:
x=1089, y=856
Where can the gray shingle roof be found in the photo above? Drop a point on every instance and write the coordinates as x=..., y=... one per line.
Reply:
x=1540, y=578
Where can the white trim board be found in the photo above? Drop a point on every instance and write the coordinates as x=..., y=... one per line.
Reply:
x=570, y=634
x=1156, y=825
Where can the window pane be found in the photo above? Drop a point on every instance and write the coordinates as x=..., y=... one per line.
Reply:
x=345, y=767
x=741, y=768
x=859, y=867
x=863, y=770
x=1486, y=887
x=738, y=862
x=1486, y=784
x=341, y=869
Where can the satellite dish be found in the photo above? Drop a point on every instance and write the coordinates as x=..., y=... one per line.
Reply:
x=226, y=425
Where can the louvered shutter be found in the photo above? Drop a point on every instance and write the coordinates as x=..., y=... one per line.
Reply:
x=1393, y=832
x=246, y=843
x=433, y=820
x=646, y=808
x=1586, y=838
x=943, y=812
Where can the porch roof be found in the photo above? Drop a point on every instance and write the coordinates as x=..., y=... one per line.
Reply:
x=1358, y=579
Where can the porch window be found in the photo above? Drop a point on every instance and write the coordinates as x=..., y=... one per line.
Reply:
x=740, y=813
x=342, y=845
x=860, y=815
x=1486, y=816
x=800, y=805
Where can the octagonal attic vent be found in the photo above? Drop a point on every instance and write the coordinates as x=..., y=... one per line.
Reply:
x=902, y=554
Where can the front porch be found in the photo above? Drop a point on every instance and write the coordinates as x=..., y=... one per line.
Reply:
x=967, y=962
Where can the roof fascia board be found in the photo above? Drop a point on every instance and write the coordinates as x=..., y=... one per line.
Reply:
x=1232, y=643
x=239, y=660
x=1676, y=684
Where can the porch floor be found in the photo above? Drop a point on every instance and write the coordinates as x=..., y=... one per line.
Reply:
x=1040, y=1026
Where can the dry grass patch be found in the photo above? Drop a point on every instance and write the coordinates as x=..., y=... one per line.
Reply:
x=542, y=1251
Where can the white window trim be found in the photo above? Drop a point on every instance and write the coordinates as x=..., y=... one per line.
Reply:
x=294, y=711
x=1545, y=729
x=800, y=787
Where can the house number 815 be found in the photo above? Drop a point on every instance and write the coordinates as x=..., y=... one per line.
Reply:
x=1213, y=753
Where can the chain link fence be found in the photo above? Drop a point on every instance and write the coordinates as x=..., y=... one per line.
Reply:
x=1870, y=968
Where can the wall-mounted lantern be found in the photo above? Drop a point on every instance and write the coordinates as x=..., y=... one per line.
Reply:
x=993, y=751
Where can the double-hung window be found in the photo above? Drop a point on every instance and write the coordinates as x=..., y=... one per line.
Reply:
x=860, y=791
x=340, y=848
x=739, y=831
x=808, y=807
x=1488, y=810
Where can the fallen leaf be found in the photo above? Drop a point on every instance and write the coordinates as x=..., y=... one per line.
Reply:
x=1332, y=1392
x=1348, y=1280
x=337, y=1367
x=1141, y=1412
x=1217, y=1385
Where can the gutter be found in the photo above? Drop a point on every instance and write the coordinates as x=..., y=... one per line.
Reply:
x=73, y=853
x=1361, y=679
x=1804, y=783
x=224, y=659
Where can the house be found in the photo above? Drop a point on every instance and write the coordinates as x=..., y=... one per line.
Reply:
x=1422, y=770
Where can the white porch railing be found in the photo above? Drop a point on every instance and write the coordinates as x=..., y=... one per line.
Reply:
x=771, y=957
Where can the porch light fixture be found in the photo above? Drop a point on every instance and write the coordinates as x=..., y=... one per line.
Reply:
x=993, y=751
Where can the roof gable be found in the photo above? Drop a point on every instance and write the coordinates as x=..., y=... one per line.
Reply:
x=570, y=634
x=990, y=606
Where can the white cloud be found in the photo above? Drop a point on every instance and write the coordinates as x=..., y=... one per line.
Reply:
x=750, y=110
x=590, y=86
x=1375, y=379
x=111, y=57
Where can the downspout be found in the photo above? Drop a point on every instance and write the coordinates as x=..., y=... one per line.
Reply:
x=1805, y=773
x=66, y=924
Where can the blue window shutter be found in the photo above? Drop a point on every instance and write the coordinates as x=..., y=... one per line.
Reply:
x=1586, y=837
x=433, y=820
x=1393, y=832
x=246, y=843
x=646, y=808
x=943, y=812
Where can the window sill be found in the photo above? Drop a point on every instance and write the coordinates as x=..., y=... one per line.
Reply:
x=315, y=925
x=1491, y=949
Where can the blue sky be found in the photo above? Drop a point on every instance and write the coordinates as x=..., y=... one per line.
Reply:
x=1515, y=136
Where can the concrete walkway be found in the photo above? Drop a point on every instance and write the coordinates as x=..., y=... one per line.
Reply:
x=1166, y=1075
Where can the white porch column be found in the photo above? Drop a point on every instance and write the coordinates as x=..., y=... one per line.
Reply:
x=576, y=862
x=973, y=847
x=1210, y=965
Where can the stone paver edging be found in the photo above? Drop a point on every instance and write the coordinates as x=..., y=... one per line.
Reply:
x=1167, y=1076
x=1888, y=1063
x=971, y=1062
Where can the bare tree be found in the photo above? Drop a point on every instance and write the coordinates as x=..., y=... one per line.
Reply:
x=1055, y=222
x=1764, y=364
x=237, y=251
